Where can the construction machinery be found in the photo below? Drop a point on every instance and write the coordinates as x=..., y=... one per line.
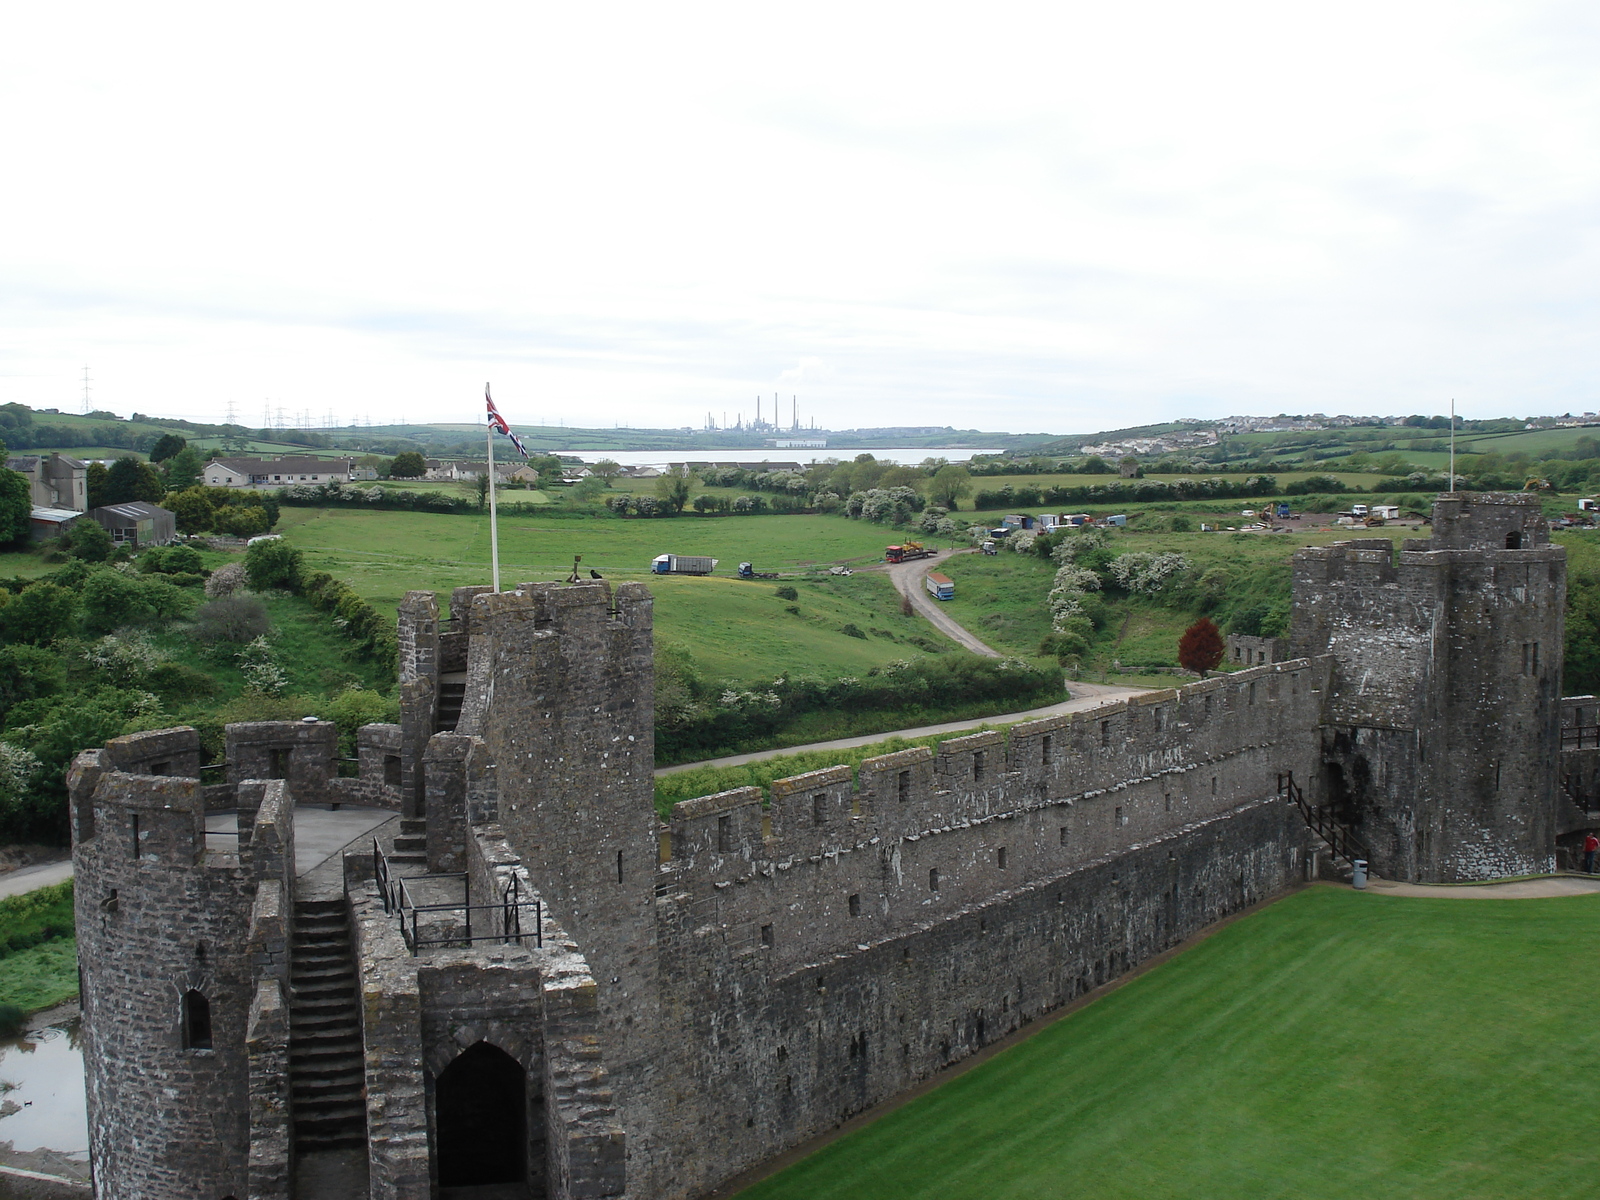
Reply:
x=907, y=552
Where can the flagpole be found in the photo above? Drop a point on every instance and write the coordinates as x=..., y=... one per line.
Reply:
x=494, y=515
x=1452, y=444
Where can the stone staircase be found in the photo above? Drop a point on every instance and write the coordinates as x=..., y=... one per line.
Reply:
x=411, y=843
x=452, y=695
x=327, y=1072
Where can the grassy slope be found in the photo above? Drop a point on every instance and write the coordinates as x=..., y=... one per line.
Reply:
x=734, y=628
x=1335, y=1044
x=42, y=975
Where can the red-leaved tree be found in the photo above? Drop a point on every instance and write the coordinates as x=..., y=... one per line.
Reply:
x=1200, y=647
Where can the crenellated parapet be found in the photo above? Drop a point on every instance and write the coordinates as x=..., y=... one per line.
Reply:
x=836, y=856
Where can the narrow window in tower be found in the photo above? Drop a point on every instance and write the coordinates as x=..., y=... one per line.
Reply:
x=977, y=765
x=1063, y=835
x=766, y=935
x=819, y=809
x=391, y=770
x=278, y=764
x=133, y=828
x=904, y=785
x=1514, y=540
x=1213, y=785
x=855, y=904
x=160, y=768
x=1535, y=658
x=1207, y=705
x=1000, y=858
x=1044, y=750
x=196, y=1021
x=1161, y=719
x=933, y=879
x=1252, y=697
x=1527, y=657
x=1121, y=820
x=1167, y=799
x=1105, y=733
x=619, y=866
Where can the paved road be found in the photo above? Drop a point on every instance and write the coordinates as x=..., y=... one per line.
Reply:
x=27, y=879
x=1086, y=696
x=907, y=578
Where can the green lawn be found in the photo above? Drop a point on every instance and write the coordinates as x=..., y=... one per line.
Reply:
x=1336, y=1044
x=40, y=977
x=734, y=628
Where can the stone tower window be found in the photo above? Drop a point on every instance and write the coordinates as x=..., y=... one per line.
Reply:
x=933, y=879
x=1105, y=733
x=855, y=904
x=819, y=809
x=1000, y=858
x=619, y=866
x=133, y=830
x=278, y=763
x=724, y=834
x=903, y=783
x=391, y=770
x=196, y=1021
x=977, y=765
x=1514, y=540
x=1044, y=750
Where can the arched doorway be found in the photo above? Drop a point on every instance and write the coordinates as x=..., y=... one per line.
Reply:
x=481, y=1119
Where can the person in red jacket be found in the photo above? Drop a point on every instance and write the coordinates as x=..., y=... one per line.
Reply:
x=1591, y=844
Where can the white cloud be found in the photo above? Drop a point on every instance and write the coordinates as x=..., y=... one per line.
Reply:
x=1011, y=216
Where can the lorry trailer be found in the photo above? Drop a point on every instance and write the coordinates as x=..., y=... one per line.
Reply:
x=682, y=564
x=940, y=587
x=907, y=552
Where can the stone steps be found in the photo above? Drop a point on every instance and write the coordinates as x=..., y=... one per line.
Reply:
x=327, y=1067
x=452, y=696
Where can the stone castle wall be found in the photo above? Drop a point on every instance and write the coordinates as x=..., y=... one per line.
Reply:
x=888, y=928
x=161, y=919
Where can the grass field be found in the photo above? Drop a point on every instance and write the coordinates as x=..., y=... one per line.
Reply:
x=37, y=973
x=737, y=629
x=1335, y=1044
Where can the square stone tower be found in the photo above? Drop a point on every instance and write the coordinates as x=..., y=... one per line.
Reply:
x=1442, y=738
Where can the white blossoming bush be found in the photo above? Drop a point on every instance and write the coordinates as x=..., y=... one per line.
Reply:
x=1146, y=574
x=226, y=580
x=258, y=663
x=19, y=770
x=1066, y=595
x=124, y=660
x=1022, y=543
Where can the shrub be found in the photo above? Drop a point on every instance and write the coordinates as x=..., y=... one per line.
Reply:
x=786, y=593
x=228, y=618
x=179, y=684
x=258, y=663
x=355, y=707
x=850, y=629
x=183, y=560
x=226, y=580
x=273, y=564
x=40, y=615
x=110, y=599
x=89, y=541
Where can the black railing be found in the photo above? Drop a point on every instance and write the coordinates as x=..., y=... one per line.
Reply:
x=1322, y=822
x=395, y=891
x=1580, y=737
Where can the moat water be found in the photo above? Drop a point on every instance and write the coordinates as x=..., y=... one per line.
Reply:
x=45, y=1107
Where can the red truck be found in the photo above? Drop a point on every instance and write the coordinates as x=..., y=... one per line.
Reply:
x=907, y=552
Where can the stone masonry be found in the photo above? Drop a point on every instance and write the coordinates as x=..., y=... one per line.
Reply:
x=561, y=995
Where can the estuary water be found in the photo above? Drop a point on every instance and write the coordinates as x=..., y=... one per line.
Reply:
x=660, y=458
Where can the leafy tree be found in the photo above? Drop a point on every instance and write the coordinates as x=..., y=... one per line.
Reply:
x=149, y=486
x=40, y=615
x=948, y=485
x=192, y=508
x=480, y=487
x=1095, y=465
x=111, y=599
x=16, y=502
x=184, y=469
x=122, y=481
x=606, y=470
x=674, y=486
x=166, y=447
x=1200, y=648
x=89, y=540
x=237, y=521
x=98, y=480
x=28, y=672
x=273, y=564
x=408, y=465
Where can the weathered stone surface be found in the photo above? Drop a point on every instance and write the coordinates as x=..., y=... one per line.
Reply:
x=687, y=999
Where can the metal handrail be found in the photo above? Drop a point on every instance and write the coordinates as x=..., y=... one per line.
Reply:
x=398, y=902
x=1322, y=821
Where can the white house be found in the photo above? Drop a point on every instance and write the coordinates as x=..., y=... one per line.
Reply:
x=276, y=472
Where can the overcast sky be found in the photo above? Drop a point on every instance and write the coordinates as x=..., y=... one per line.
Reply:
x=1061, y=217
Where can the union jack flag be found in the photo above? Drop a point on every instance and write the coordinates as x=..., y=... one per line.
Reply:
x=496, y=421
x=499, y=424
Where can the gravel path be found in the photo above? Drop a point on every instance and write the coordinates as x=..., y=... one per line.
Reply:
x=1516, y=889
x=907, y=578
